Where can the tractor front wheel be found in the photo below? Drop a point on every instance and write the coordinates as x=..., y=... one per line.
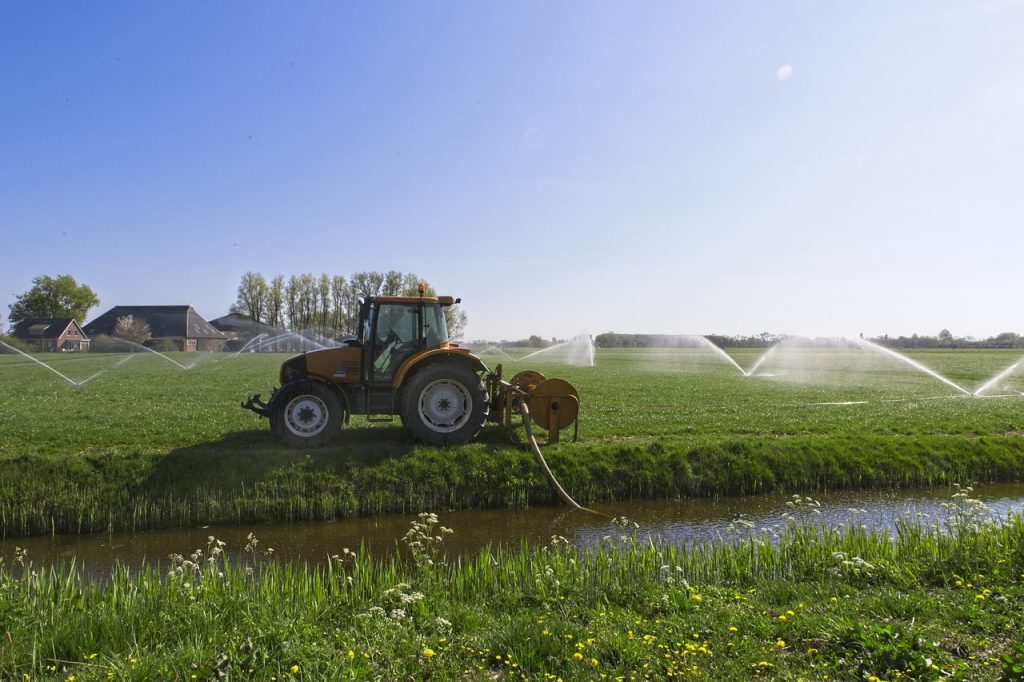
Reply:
x=444, y=404
x=306, y=414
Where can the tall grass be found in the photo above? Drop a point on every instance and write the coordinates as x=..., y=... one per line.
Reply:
x=808, y=602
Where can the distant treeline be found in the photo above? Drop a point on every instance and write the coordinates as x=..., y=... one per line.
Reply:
x=764, y=340
x=947, y=340
x=613, y=340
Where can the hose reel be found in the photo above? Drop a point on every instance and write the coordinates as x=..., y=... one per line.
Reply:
x=553, y=403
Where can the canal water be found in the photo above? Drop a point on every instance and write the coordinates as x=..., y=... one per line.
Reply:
x=673, y=521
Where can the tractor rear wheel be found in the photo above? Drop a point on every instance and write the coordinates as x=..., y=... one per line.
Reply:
x=307, y=414
x=444, y=404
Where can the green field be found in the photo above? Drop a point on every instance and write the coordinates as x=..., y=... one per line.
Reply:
x=145, y=443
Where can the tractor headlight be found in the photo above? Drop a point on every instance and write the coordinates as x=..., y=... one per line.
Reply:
x=293, y=369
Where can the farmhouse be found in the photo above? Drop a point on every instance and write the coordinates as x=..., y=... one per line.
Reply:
x=178, y=324
x=51, y=335
x=241, y=330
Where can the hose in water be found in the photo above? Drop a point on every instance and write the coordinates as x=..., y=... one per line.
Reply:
x=537, y=455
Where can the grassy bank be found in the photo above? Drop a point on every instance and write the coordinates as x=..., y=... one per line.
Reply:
x=814, y=604
x=146, y=444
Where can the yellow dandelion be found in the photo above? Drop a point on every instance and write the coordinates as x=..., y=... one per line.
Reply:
x=780, y=643
x=428, y=652
x=732, y=628
x=351, y=654
x=696, y=598
x=294, y=669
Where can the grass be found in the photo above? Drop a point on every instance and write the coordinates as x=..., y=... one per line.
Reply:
x=146, y=444
x=818, y=603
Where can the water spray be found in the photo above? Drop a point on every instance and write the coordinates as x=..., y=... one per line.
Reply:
x=577, y=351
x=997, y=378
x=913, y=363
x=41, y=364
x=761, y=360
x=723, y=354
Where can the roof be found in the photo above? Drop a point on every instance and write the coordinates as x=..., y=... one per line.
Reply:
x=42, y=327
x=443, y=300
x=234, y=322
x=165, y=321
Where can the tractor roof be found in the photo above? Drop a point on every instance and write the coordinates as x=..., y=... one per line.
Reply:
x=443, y=300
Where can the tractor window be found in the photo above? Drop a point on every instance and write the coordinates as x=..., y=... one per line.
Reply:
x=435, y=328
x=395, y=339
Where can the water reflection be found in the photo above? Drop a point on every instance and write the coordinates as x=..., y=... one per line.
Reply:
x=676, y=521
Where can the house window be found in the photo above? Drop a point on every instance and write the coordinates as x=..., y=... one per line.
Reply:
x=190, y=344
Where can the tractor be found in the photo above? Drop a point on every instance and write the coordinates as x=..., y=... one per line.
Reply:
x=402, y=363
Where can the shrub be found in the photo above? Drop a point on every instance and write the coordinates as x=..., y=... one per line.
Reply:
x=15, y=343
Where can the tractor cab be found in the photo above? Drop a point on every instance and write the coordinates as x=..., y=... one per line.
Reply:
x=394, y=328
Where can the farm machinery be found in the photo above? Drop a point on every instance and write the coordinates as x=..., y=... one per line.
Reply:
x=402, y=363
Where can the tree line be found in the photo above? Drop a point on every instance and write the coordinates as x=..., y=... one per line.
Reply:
x=327, y=305
x=944, y=339
x=613, y=340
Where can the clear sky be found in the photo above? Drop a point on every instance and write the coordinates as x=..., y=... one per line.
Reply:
x=564, y=167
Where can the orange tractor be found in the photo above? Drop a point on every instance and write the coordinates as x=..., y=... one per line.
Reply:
x=402, y=363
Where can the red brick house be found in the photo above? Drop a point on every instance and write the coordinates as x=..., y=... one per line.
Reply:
x=51, y=335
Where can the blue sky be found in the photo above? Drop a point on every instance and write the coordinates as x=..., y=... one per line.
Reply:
x=792, y=167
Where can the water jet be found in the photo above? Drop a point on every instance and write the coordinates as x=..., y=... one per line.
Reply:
x=40, y=363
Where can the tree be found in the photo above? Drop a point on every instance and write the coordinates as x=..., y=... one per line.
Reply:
x=134, y=329
x=275, y=302
x=252, y=297
x=59, y=296
x=328, y=304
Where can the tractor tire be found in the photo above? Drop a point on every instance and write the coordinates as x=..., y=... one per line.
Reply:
x=307, y=414
x=444, y=404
